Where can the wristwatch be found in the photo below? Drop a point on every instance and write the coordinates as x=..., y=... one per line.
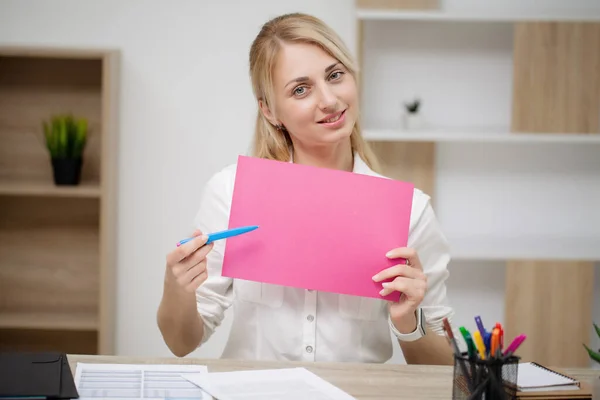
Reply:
x=418, y=333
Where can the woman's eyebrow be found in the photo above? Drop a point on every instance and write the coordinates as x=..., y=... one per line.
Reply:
x=297, y=80
x=305, y=78
x=332, y=66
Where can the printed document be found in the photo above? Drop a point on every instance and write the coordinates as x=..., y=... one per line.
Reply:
x=275, y=384
x=133, y=381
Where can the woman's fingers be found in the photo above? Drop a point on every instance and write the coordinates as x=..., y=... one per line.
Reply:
x=192, y=260
x=412, y=288
x=196, y=257
x=186, y=249
x=188, y=276
x=399, y=270
x=197, y=281
x=187, y=263
x=408, y=254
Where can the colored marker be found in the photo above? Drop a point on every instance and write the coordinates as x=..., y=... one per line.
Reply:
x=501, y=343
x=495, y=345
x=514, y=345
x=487, y=342
x=471, y=350
x=457, y=353
x=480, y=326
x=479, y=343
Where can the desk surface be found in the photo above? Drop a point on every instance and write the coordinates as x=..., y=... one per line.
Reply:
x=363, y=381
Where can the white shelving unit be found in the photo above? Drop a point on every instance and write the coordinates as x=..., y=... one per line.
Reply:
x=527, y=198
x=461, y=66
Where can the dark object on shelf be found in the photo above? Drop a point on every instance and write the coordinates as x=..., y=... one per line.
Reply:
x=413, y=107
x=66, y=138
x=67, y=171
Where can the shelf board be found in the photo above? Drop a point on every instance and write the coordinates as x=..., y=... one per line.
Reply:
x=523, y=248
x=482, y=136
x=53, y=321
x=48, y=189
x=366, y=14
x=55, y=52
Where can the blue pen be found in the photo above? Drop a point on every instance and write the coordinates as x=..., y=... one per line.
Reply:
x=223, y=234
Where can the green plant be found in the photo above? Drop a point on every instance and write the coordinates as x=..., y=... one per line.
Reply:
x=413, y=107
x=594, y=355
x=66, y=136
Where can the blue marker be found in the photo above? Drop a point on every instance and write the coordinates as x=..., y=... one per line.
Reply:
x=223, y=234
x=487, y=341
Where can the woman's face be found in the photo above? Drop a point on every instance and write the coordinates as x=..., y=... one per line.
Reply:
x=315, y=96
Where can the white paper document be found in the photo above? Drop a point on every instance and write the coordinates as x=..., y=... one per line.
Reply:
x=273, y=384
x=133, y=381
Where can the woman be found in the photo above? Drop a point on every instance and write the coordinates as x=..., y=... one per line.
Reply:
x=305, y=84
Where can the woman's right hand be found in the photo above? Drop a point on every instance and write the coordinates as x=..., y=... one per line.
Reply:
x=186, y=265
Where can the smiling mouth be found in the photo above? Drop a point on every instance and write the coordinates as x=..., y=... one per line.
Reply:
x=332, y=119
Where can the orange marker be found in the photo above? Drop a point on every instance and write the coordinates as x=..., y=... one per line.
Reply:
x=495, y=342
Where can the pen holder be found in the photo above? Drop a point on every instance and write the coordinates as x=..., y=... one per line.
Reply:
x=489, y=379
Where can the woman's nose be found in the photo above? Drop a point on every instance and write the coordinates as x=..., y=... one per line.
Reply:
x=328, y=99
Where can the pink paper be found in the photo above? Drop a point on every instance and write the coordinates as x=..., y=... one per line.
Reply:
x=319, y=229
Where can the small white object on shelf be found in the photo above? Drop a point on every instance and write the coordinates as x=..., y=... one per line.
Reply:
x=411, y=117
x=412, y=121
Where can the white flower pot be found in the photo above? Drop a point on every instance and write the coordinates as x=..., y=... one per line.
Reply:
x=411, y=122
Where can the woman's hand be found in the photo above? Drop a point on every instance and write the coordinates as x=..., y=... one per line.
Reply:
x=186, y=265
x=408, y=279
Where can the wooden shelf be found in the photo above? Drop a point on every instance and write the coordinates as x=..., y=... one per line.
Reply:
x=482, y=136
x=55, y=321
x=57, y=246
x=366, y=14
x=48, y=189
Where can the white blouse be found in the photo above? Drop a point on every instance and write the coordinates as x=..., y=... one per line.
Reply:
x=272, y=322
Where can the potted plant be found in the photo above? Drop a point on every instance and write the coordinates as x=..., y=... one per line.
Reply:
x=412, y=117
x=66, y=137
x=594, y=355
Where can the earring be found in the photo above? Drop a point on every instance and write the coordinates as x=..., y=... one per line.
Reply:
x=280, y=127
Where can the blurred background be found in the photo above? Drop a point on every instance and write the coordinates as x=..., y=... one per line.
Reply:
x=492, y=108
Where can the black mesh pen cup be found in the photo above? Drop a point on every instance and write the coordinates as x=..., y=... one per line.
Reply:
x=489, y=379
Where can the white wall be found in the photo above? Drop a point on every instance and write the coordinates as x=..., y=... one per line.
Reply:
x=185, y=97
x=187, y=110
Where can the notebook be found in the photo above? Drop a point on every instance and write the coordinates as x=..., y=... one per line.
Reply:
x=538, y=382
x=535, y=377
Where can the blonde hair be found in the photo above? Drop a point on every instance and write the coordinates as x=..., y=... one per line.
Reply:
x=269, y=141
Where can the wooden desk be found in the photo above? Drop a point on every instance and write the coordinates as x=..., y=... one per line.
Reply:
x=363, y=381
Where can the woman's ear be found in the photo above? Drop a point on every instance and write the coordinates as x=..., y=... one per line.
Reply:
x=267, y=112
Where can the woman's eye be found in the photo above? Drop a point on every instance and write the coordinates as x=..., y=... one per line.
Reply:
x=336, y=75
x=299, y=91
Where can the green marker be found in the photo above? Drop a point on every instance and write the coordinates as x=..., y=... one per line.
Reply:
x=469, y=340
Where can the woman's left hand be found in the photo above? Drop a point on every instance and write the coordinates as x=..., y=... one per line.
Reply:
x=408, y=279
